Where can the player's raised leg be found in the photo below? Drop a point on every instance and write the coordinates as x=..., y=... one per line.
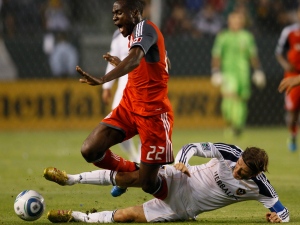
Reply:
x=95, y=149
x=156, y=151
x=96, y=177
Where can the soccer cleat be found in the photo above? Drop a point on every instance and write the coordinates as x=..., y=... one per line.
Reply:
x=56, y=175
x=292, y=144
x=60, y=216
x=117, y=191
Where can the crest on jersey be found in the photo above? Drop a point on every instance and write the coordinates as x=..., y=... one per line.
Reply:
x=137, y=39
x=205, y=147
x=240, y=191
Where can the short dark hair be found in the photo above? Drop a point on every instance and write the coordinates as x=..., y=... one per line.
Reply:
x=256, y=159
x=134, y=5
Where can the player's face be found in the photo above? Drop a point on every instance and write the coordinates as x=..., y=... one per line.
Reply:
x=235, y=22
x=123, y=18
x=241, y=171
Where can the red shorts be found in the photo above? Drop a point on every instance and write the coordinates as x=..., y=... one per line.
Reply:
x=292, y=99
x=155, y=133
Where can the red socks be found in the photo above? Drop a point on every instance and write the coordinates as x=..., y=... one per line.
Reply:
x=111, y=161
x=293, y=130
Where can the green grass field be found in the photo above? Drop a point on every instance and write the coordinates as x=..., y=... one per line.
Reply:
x=24, y=155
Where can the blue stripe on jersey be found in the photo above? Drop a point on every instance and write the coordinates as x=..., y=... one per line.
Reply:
x=229, y=152
x=185, y=149
x=265, y=188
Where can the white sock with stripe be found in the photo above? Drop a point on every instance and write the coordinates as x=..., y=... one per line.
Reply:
x=97, y=217
x=97, y=177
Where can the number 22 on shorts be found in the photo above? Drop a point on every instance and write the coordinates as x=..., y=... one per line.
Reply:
x=155, y=154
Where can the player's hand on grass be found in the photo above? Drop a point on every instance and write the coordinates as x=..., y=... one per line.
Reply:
x=272, y=217
x=113, y=60
x=87, y=78
x=181, y=167
x=288, y=83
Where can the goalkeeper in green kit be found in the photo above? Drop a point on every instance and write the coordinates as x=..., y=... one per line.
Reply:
x=233, y=54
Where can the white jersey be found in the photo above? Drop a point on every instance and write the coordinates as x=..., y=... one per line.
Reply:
x=119, y=48
x=211, y=185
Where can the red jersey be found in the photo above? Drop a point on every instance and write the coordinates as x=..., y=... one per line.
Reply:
x=146, y=90
x=289, y=43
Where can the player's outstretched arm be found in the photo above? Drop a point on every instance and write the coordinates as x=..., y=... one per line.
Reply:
x=288, y=83
x=88, y=79
x=113, y=60
x=128, y=64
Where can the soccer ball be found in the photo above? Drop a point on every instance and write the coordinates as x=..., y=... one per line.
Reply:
x=29, y=205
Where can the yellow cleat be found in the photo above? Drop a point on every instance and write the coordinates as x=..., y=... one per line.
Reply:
x=60, y=216
x=56, y=175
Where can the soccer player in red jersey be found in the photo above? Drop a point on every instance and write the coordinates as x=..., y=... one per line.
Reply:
x=144, y=109
x=288, y=56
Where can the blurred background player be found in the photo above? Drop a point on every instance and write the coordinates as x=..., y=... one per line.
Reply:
x=288, y=56
x=119, y=48
x=288, y=83
x=233, y=52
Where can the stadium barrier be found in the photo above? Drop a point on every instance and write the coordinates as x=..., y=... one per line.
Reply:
x=68, y=104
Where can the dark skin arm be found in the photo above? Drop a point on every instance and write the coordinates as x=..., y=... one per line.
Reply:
x=124, y=67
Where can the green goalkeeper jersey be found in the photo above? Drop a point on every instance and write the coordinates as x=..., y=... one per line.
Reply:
x=235, y=50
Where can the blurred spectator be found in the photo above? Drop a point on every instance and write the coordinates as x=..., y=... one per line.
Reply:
x=56, y=16
x=207, y=21
x=270, y=16
x=218, y=5
x=193, y=6
x=55, y=20
x=8, y=69
x=178, y=23
x=21, y=17
x=64, y=57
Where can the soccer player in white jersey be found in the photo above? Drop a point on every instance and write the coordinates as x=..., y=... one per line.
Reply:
x=231, y=176
x=119, y=48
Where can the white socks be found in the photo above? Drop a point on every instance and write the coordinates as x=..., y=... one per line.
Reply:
x=97, y=177
x=97, y=217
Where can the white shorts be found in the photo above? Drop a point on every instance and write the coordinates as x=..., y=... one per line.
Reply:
x=173, y=208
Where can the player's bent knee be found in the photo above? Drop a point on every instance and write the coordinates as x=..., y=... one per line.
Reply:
x=90, y=154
